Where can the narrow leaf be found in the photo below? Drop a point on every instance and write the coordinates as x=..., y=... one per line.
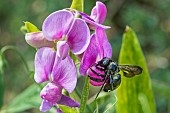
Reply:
x=78, y=5
x=29, y=98
x=66, y=109
x=31, y=27
x=85, y=95
x=1, y=80
x=130, y=91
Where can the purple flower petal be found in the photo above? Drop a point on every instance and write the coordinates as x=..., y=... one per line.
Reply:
x=93, y=24
x=78, y=38
x=68, y=102
x=46, y=106
x=104, y=46
x=64, y=73
x=99, y=12
x=57, y=24
x=62, y=49
x=89, y=57
x=44, y=60
x=37, y=40
x=51, y=92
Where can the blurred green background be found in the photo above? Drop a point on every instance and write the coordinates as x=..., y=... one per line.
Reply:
x=149, y=19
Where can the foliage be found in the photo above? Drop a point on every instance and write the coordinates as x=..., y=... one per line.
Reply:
x=137, y=91
x=145, y=17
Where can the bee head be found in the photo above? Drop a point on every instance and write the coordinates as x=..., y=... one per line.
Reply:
x=105, y=62
x=113, y=66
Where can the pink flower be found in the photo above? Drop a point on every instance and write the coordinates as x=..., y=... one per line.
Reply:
x=59, y=73
x=99, y=46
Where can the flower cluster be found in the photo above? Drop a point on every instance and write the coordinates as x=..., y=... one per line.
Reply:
x=66, y=31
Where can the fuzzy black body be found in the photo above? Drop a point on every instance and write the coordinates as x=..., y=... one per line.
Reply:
x=111, y=76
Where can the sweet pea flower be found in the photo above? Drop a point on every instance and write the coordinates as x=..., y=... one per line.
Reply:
x=49, y=67
x=63, y=27
x=72, y=33
x=99, y=46
x=97, y=17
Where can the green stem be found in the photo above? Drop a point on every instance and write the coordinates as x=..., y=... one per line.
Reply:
x=8, y=47
x=85, y=94
x=79, y=95
x=78, y=5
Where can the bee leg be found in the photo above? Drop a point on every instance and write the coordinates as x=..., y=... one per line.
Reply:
x=98, y=74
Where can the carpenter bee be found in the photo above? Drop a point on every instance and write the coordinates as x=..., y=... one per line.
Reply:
x=111, y=78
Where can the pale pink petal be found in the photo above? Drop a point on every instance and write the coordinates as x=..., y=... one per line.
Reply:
x=44, y=60
x=78, y=38
x=64, y=73
x=46, y=106
x=37, y=40
x=57, y=24
x=62, y=49
x=51, y=92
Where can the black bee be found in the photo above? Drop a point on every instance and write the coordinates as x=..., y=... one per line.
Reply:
x=111, y=78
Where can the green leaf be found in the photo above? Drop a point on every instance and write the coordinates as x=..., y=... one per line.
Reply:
x=30, y=27
x=85, y=95
x=78, y=5
x=1, y=80
x=66, y=109
x=134, y=93
x=29, y=98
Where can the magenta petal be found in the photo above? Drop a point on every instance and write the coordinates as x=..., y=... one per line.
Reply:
x=37, y=40
x=44, y=60
x=62, y=49
x=99, y=12
x=64, y=73
x=89, y=57
x=45, y=106
x=51, y=92
x=104, y=46
x=78, y=38
x=68, y=102
x=57, y=24
x=93, y=24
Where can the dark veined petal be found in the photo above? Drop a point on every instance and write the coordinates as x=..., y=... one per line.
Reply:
x=44, y=60
x=57, y=24
x=99, y=12
x=104, y=46
x=51, y=92
x=62, y=49
x=89, y=56
x=67, y=101
x=78, y=38
x=37, y=40
x=46, y=106
x=64, y=73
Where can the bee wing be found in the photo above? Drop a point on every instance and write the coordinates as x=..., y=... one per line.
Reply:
x=130, y=70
